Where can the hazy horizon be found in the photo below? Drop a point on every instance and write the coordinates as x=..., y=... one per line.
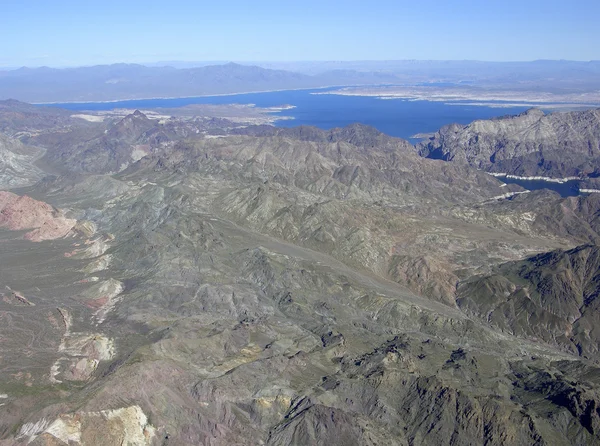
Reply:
x=265, y=63
x=67, y=33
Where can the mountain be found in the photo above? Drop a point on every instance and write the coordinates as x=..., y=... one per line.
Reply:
x=17, y=163
x=164, y=286
x=548, y=76
x=558, y=145
x=20, y=119
x=130, y=81
x=133, y=81
x=552, y=296
x=543, y=73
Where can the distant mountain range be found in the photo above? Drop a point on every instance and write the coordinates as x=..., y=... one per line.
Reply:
x=131, y=81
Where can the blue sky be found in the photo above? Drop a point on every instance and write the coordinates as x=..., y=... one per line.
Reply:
x=68, y=32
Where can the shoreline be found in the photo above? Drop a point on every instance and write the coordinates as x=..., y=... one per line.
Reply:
x=508, y=195
x=447, y=100
x=195, y=96
x=536, y=178
x=492, y=98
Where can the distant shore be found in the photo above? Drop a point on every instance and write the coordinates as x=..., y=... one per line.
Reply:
x=450, y=96
x=496, y=98
x=154, y=98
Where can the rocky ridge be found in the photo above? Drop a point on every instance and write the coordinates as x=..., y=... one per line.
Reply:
x=551, y=296
x=17, y=166
x=555, y=145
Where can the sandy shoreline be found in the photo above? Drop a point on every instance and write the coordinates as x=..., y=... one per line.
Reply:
x=497, y=98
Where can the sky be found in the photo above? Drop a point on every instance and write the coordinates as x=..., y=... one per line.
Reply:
x=78, y=32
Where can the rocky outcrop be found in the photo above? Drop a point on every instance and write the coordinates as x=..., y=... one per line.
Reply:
x=552, y=297
x=17, y=166
x=21, y=120
x=126, y=426
x=555, y=145
x=43, y=221
x=103, y=151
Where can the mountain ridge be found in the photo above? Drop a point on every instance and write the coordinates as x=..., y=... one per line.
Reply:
x=134, y=81
x=557, y=145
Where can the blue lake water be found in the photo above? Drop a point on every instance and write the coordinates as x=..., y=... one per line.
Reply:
x=567, y=189
x=395, y=117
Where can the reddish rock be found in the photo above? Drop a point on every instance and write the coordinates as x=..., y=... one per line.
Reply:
x=96, y=304
x=23, y=212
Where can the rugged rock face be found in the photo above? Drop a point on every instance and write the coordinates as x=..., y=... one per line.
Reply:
x=127, y=426
x=108, y=150
x=45, y=223
x=539, y=214
x=355, y=204
x=551, y=296
x=17, y=166
x=531, y=144
x=362, y=136
x=291, y=287
x=22, y=120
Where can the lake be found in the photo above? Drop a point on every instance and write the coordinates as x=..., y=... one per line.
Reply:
x=401, y=118
x=568, y=189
